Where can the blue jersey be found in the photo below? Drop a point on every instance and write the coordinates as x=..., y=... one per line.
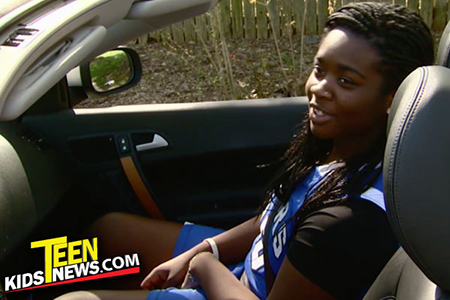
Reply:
x=283, y=226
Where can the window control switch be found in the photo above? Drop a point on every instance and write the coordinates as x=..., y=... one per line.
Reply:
x=124, y=144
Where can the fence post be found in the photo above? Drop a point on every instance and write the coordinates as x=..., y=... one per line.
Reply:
x=155, y=35
x=225, y=17
x=177, y=33
x=249, y=21
x=189, y=30
x=311, y=20
x=299, y=7
x=273, y=10
x=448, y=13
x=143, y=39
x=440, y=15
x=413, y=5
x=286, y=17
x=236, y=11
x=337, y=4
x=322, y=14
x=261, y=20
x=400, y=2
x=201, y=28
x=426, y=11
x=166, y=35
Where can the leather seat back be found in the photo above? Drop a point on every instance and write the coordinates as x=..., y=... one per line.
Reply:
x=16, y=201
x=417, y=188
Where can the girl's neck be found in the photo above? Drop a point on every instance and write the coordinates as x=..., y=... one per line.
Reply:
x=343, y=151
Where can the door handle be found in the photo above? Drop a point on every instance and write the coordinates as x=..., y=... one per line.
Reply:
x=158, y=142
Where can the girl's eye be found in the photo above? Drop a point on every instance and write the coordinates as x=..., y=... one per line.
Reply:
x=318, y=70
x=346, y=81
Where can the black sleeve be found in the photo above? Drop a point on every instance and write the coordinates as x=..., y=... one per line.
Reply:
x=343, y=248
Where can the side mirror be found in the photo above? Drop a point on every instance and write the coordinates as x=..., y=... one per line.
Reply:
x=111, y=72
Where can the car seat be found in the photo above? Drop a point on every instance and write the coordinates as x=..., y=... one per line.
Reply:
x=417, y=189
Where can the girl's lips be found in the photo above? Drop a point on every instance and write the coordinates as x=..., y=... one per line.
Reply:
x=318, y=116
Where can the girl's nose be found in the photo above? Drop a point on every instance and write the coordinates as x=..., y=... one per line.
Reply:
x=321, y=89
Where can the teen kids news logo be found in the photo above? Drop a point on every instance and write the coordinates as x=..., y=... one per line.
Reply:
x=71, y=262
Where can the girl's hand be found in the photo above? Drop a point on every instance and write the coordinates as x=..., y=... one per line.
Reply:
x=216, y=280
x=168, y=274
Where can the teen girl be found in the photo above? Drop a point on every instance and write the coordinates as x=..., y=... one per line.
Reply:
x=324, y=232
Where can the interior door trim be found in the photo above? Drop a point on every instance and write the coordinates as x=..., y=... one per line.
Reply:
x=139, y=188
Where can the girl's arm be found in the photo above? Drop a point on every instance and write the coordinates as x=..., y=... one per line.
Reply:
x=220, y=284
x=217, y=281
x=233, y=245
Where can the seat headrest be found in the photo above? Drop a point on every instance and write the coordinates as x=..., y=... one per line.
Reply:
x=443, y=54
x=417, y=170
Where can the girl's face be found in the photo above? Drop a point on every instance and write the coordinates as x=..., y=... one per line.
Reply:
x=346, y=102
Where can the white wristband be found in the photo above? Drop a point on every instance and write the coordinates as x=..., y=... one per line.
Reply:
x=213, y=246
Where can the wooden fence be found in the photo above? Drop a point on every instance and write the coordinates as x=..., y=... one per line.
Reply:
x=261, y=19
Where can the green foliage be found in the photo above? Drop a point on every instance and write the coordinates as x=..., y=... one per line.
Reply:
x=110, y=70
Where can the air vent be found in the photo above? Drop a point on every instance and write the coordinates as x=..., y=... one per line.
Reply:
x=20, y=35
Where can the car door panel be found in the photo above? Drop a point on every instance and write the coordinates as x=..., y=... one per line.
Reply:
x=213, y=162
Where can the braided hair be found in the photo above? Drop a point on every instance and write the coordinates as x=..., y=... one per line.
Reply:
x=403, y=42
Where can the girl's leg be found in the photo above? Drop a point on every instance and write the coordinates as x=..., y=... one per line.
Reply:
x=155, y=242
x=120, y=233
